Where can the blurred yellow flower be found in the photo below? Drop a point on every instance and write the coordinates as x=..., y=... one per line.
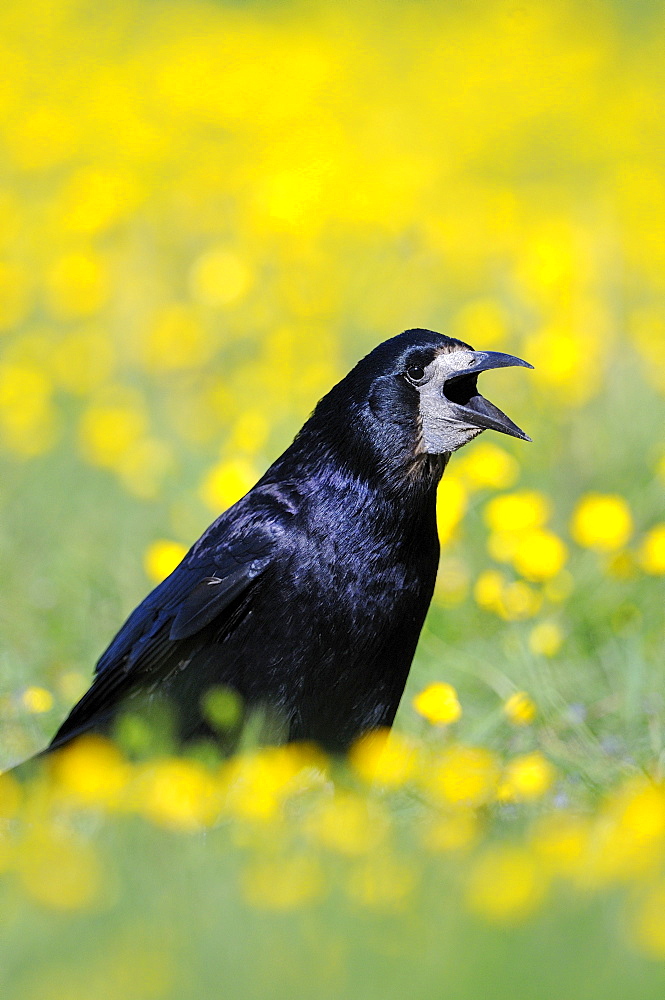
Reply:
x=256, y=784
x=652, y=551
x=546, y=639
x=464, y=775
x=539, y=554
x=519, y=601
x=487, y=466
x=106, y=432
x=602, y=522
x=520, y=709
x=37, y=699
x=219, y=277
x=482, y=321
x=451, y=501
x=227, y=482
x=77, y=284
x=489, y=588
x=517, y=511
x=161, y=558
x=384, y=756
x=438, y=703
x=96, y=198
x=250, y=431
x=526, y=777
x=177, y=793
x=505, y=884
x=91, y=770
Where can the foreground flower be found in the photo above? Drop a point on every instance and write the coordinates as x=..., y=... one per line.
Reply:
x=505, y=884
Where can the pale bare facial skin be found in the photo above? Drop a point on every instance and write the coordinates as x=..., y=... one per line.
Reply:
x=452, y=412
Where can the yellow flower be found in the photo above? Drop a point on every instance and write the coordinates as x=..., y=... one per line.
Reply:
x=257, y=783
x=108, y=431
x=652, y=551
x=520, y=709
x=464, y=775
x=77, y=284
x=386, y=757
x=488, y=589
x=545, y=639
x=482, y=321
x=518, y=601
x=517, y=511
x=539, y=554
x=227, y=482
x=161, y=558
x=37, y=699
x=488, y=466
x=527, y=777
x=95, y=199
x=451, y=501
x=505, y=884
x=177, y=793
x=219, y=277
x=602, y=522
x=91, y=770
x=438, y=703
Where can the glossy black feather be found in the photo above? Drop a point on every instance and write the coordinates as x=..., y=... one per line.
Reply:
x=309, y=594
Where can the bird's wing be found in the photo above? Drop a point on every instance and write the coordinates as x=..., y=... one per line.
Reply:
x=162, y=632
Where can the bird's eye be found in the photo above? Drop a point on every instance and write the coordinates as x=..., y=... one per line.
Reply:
x=415, y=373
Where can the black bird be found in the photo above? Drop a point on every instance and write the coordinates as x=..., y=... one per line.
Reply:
x=309, y=594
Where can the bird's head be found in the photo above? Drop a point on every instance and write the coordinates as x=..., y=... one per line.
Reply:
x=413, y=396
x=441, y=381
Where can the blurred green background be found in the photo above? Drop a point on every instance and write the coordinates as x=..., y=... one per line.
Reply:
x=208, y=213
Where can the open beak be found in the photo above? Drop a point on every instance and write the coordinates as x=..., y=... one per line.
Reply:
x=461, y=390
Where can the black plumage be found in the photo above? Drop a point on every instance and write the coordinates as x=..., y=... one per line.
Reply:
x=309, y=594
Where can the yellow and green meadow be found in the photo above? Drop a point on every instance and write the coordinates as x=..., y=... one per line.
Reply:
x=208, y=212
